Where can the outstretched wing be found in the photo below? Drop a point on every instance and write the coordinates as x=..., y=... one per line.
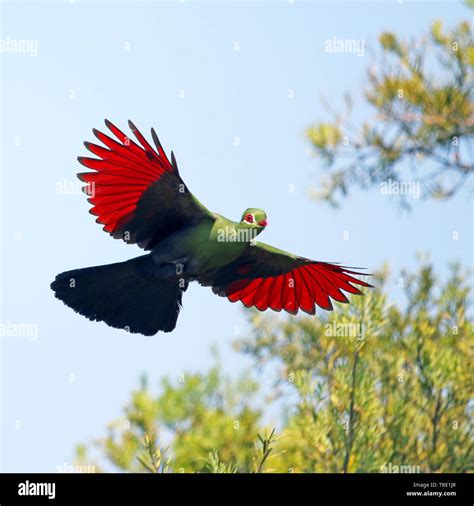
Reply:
x=267, y=277
x=136, y=193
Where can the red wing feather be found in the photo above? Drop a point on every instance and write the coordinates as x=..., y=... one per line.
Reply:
x=249, y=293
x=288, y=296
x=303, y=293
x=274, y=299
x=262, y=297
x=122, y=174
x=303, y=287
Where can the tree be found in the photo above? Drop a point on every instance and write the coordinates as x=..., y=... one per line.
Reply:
x=378, y=386
x=423, y=125
x=207, y=417
x=373, y=387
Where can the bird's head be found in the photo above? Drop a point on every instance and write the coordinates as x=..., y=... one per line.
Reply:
x=255, y=219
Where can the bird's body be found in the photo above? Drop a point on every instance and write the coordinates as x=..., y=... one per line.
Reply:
x=200, y=248
x=140, y=197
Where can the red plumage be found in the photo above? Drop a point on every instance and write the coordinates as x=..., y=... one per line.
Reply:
x=123, y=173
x=304, y=287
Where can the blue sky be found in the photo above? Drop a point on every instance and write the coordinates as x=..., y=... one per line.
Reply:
x=239, y=140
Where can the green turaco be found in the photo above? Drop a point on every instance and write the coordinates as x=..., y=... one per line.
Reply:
x=139, y=197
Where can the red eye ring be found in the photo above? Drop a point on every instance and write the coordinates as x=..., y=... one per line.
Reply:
x=249, y=218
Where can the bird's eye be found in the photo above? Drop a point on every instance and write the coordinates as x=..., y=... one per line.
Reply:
x=249, y=218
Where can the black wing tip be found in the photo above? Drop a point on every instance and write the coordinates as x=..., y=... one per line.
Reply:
x=131, y=125
x=81, y=159
x=154, y=136
x=329, y=307
x=345, y=267
x=174, y=163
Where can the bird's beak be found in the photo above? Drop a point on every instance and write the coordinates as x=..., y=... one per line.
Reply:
x=262, y=223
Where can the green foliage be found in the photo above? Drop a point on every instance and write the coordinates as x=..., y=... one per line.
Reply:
x=152, y=458
x=423, y=125
x=214, y=465
x=375, y=386
x=267, y=443
x=200, y=413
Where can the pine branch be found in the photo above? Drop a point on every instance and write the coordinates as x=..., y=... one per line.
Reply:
x=268, y=443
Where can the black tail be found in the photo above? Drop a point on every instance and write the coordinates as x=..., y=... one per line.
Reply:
x=126, y=295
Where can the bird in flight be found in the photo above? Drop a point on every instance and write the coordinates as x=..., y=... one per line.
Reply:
x=139, y=197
